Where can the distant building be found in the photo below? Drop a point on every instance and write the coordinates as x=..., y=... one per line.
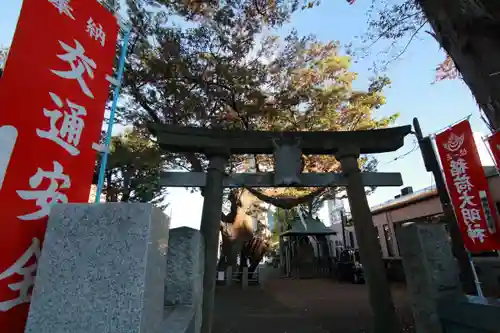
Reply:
x=410, y=206
x=344, y=235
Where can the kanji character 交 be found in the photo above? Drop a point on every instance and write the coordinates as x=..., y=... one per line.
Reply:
x=79, y=64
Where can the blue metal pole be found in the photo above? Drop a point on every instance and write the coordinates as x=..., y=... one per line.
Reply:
x=479, y=290
x=104, y=160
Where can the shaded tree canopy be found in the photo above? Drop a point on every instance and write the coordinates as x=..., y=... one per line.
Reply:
x=223, y=65
x=465, y=29
x=220, y=66
x=133, y=169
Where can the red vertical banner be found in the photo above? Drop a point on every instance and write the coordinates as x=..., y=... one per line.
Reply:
x=52, y=99
x=468, y=188
x=494, y=143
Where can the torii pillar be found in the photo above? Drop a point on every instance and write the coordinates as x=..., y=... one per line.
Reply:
x=209, y=228
x=386, y=320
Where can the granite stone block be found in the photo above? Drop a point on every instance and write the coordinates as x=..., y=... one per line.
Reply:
x=431, y=271
x=180, y=319
x=102, y=270
x=184, y=278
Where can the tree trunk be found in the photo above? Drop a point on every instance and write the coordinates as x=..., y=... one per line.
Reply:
x=469, y=31
x=238, y=236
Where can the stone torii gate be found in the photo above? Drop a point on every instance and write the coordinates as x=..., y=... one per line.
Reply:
x=287, y=147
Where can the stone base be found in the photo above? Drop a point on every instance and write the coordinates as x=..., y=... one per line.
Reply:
x=184, y=281
x=431, y=271
x=102, y=269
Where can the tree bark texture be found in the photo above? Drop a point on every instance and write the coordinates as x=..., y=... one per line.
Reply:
x=469, y=31
x=238, y=235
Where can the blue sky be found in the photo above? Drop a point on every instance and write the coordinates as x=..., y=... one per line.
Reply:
x=411, y=93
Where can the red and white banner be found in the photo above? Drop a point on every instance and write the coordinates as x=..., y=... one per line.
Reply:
x=468, y=188
x=494, y=143
x=52, y=99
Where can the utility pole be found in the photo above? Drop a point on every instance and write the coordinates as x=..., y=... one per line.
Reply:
x=458, y=248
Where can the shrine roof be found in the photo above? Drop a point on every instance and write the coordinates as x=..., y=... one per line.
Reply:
x=312, y=227
x=183, y=139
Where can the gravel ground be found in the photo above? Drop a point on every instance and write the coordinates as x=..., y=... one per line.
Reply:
x=301, y=306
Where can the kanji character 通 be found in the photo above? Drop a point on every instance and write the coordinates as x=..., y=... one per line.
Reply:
x=69, y=131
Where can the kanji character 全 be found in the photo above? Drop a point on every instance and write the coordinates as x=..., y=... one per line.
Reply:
x=63, y=7
x=458, y=167
x=79, y=64
x=46, y=198
x=28, y=274
x=96, y=31
x=477, y=233
x=466, y=200
x=68, y=134
x=471, y=215
x=462, y=183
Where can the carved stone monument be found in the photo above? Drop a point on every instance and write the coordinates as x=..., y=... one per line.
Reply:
x=184, y=281
x=431, y=271
x=102, y=269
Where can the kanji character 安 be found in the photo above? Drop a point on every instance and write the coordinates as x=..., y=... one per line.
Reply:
x=48, y=197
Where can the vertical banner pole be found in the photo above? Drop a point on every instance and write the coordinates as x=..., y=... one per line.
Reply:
x=488, y=148
x=116, y=93
x=476, y=278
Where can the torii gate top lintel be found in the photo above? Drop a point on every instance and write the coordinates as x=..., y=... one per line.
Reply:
x=183, y=139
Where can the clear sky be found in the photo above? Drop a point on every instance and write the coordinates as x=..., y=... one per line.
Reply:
x=411, y=94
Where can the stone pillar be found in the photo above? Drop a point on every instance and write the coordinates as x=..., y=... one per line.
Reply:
x=386, y=320
x=102, y=269
x=184, y=278
x=183, y=281
x=431, y=271
x=210, y=225
x=244, y=277
x=229, y=275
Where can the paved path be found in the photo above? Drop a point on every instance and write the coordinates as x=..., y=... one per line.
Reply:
x=300, y=306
